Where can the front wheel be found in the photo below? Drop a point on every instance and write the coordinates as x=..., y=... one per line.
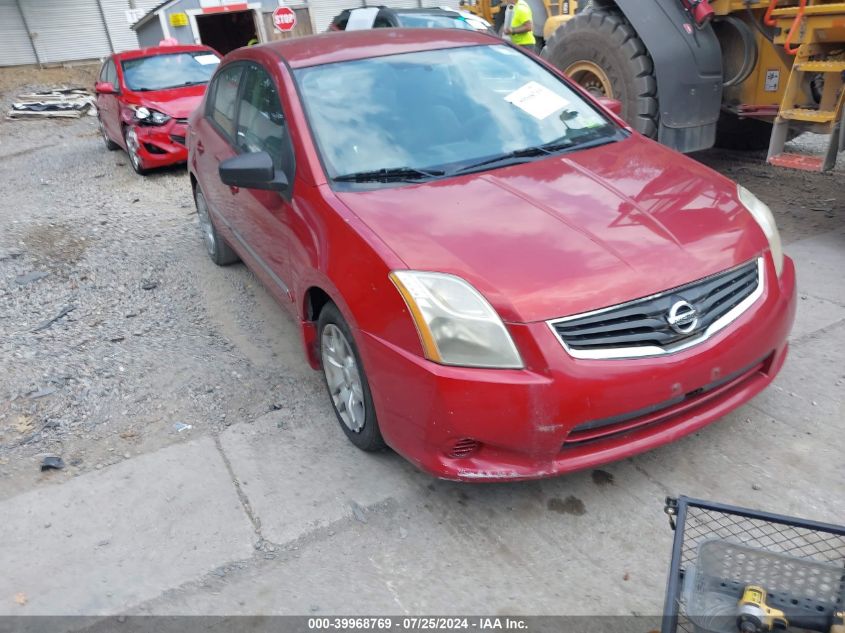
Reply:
x=346, y=381
x=130, y=138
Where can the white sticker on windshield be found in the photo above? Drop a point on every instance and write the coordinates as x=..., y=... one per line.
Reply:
x=207, y=60
x=537, y=100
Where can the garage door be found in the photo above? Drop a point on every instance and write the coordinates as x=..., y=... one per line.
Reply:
x=64, y=31
x=15, y=47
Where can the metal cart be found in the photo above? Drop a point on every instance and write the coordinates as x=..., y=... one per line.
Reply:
x=696, y=521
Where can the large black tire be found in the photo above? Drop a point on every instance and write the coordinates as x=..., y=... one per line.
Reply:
x=747, y=135
x=605, y=39
x=367, y=435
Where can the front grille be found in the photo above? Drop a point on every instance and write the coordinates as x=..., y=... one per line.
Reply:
x=642, y=327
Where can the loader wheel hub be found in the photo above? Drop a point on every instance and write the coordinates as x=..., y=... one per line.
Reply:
x=591, y=77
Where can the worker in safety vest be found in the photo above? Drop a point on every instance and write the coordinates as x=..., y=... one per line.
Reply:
x=521, y=27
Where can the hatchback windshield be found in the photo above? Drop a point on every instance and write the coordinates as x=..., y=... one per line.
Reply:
x=442, y=112
x=169, y=71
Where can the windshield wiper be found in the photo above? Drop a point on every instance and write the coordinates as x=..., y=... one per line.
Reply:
x=388, y=175
x=591, y=138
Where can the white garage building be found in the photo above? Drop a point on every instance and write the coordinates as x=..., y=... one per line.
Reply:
x=57, y=31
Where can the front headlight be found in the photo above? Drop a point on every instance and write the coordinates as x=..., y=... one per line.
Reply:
x=149, y=116
x=456, y=324
x=766, y=220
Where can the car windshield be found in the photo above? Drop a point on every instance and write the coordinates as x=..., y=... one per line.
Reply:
x=437, y=21
x=443, y=112
x=171, y=70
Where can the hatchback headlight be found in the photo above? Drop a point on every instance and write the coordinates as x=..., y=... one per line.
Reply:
x=766, y=220
x=456, y=324
x=148, y=116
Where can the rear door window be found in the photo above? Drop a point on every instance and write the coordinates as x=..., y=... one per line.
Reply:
x=224, y=99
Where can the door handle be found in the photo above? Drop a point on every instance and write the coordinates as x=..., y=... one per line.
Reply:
x=200, y=147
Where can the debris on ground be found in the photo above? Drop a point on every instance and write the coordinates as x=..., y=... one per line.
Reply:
x=181, y=426
x=59, y=102
x=45, y=324
x=21, y=598
x=23, y=280
x=52, y=462
x=358, y=512
x=41, y=393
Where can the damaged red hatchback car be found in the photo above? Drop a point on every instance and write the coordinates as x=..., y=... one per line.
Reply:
x=498, y=277
x=144, y=98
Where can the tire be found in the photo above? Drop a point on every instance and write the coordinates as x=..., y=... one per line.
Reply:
x=735, y=133
x=131, y=140
x=346, y=381
x=218, y=250
x=603, y=39
x=110, y=144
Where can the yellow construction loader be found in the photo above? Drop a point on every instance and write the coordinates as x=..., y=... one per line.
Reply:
x=742, y=74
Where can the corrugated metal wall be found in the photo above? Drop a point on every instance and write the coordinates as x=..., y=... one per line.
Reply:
x=123, y=38
x=15, y=47
x=64, y=31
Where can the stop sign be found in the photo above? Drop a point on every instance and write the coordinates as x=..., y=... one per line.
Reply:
x=284, y=19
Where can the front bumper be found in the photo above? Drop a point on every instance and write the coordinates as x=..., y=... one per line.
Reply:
x=162, y=145
x=564, y=414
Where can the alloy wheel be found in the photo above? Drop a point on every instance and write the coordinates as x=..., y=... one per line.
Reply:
x=205, y=224
x=132, y=148
x=343, y=378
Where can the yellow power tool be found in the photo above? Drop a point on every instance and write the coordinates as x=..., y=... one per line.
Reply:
x=756, y=615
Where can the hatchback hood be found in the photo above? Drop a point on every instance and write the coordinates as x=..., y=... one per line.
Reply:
x=571, y=233
x=175, y=102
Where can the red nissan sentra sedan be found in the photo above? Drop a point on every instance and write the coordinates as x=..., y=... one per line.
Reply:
x=499, y=279
x=144, y=98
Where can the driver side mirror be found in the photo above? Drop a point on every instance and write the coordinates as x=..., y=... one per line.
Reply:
x=253, y=170
x=104, y=88
x=614, y=105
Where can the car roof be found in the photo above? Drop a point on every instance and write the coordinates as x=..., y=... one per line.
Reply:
x=420, y=10
x=341, y=46
x=427, y=11
x=162, y=50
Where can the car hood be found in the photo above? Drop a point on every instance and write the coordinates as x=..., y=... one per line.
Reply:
x=569, y=233
x=175, y=102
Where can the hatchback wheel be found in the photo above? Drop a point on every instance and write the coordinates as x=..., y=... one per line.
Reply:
x=110, y=144
x=346, y=381
x=130, y=136
x=216, y=247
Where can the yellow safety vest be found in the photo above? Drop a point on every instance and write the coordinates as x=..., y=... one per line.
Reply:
x=521, y=15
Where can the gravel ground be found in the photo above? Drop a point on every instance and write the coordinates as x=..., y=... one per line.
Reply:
x=115, y=329
x=118, y=335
